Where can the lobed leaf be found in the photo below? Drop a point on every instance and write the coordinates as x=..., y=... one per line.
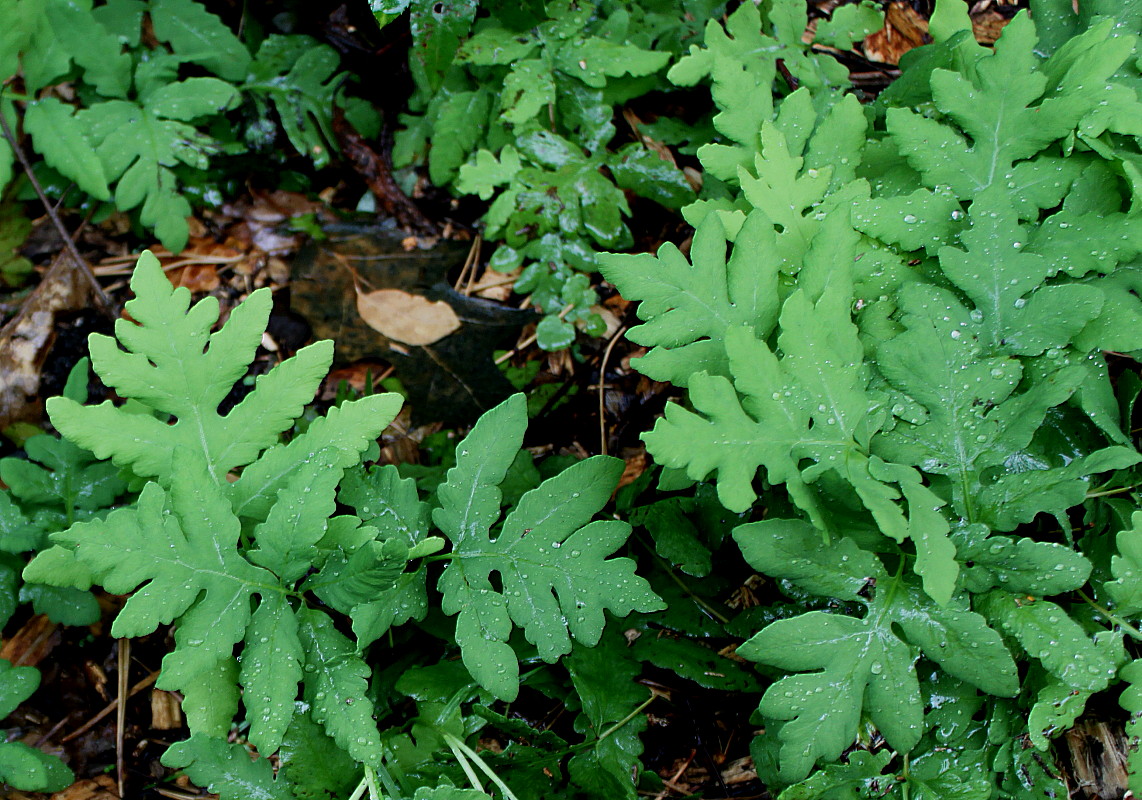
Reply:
x=336, y=687
x=173, y=366
x=226, y=769
x=846, y=665
x=551, y=560
x=688, y=306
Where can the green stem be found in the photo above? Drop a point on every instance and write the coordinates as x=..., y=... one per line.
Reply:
x=360, y=790
x=627, y=718
x=1110, y=615
x=904, y=788
x=464, y=765
x=965, y=490
x=387, y=780
x=1109, y=492
x=371, y=779
x=458, y=745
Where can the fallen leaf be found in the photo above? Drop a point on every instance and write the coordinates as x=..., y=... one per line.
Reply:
x=452, y=380
x=407, y=318
x=27, y=338
x=494, y=285
x=199, y=278
x=635, y=464
x=903, y=30
x=988, y=25
x=101, y=787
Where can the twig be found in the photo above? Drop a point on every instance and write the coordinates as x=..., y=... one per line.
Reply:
x=530, y=339
x=672, y=783
x=479, y=240
x=493, y=284
x=54, y=730
x=470, y=262
x=124, y=653
x=80, y=262
x=602, y=389
x=91, y=723
x=177, y=795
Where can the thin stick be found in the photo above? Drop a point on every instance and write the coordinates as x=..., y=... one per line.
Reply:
x=69, y=244
x=177, y=795
x=602, y=389
x=114, y=704
x=475, y=264
x=121, y=711
x=531, y=339
x=54, y=730
x=494, y=284
x=672, y=783
x=464, y=269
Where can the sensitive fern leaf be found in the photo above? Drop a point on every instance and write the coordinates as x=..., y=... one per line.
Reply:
x=1005, y=111
x=1131, y=701
x=688, y=307
x=178, y=556
x=851, y=665
x=175, y=366
x=222, y=560
x=1126, y=588
x=551, y=560
x=226, y=769
x=974, y=420
x=336, y=687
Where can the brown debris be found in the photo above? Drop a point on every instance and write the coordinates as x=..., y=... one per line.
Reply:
x=28, y=337
x=635, y=463
x=98, y=788
x=166, y=712
x=377, y=171
x=1098, y=759
x=32, y=643
x=903, y=30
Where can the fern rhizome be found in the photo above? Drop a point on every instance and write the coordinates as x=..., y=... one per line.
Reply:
x=254, y=572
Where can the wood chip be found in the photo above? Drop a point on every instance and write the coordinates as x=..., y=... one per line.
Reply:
x=32, y=642
x=166, y=713
x=1097, y=754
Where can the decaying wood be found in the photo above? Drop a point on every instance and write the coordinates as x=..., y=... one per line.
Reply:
x=27, y=338
x=1097, y=753
x=377, y=170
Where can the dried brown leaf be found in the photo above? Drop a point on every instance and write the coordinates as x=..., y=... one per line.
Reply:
x=98, y=788
x=28, y=337
x=903, y=30
x=407, y=318
x=166, y=713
